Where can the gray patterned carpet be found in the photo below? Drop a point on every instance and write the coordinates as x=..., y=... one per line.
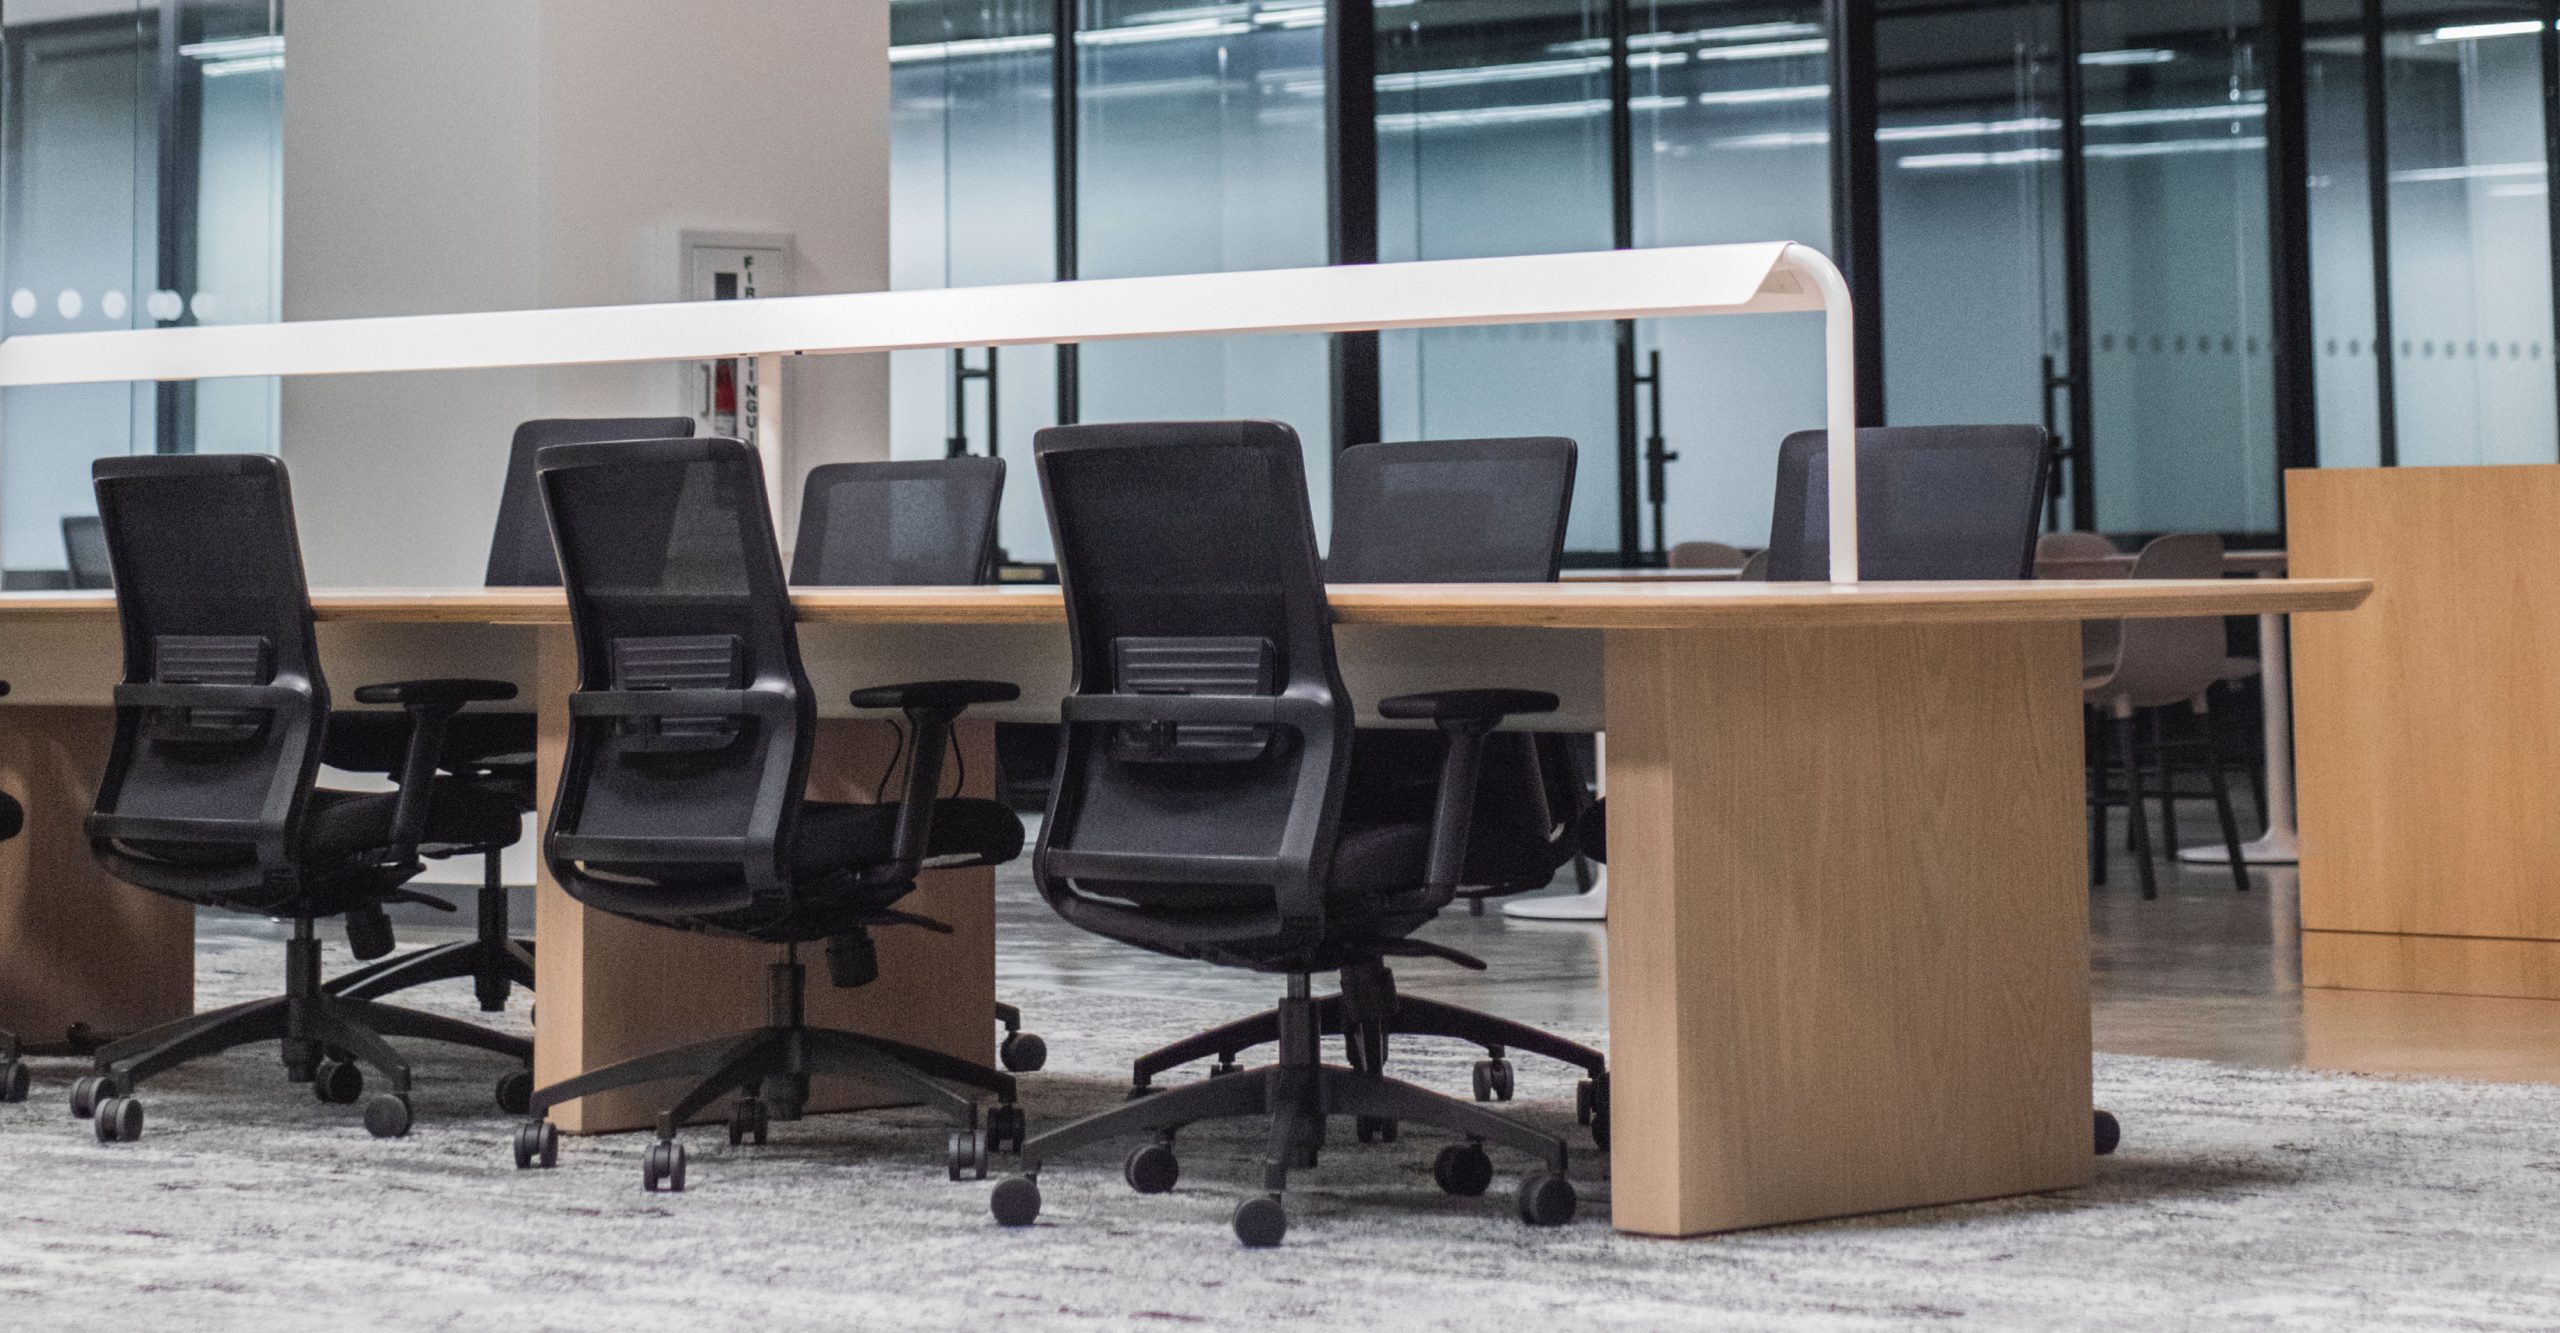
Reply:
x=2242, y=1198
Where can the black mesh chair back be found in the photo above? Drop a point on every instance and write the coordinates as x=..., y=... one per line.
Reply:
x=1461, y=511
x=1201, y=774
x=84, y=548
x=221, y=715
x=1451, y=511
x=520, y=548
x=923, y=523
x=1934, y=502
x=690, y=730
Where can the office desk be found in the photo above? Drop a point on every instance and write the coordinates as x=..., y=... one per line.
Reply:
x=1849, y=971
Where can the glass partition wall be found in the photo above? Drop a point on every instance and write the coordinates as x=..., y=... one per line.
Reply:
x=140, y=187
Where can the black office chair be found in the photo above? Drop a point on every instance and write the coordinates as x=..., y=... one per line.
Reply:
x=84, y=547
x=1450, y=511
x=13, y=1070
x=920, y=523
x=1198, y=809
x=1934, y=502
x=682, y=795
x=492, y=749
x=210, y=796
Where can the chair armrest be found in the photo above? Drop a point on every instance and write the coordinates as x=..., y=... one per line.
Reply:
x=940, y=696
x=435, y=693
x=1466, y=705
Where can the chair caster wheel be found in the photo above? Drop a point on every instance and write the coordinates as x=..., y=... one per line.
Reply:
x=515, y=1092
x=1261, y=1222
x=1374, y=1128
x=1546, y=1199
x=1023, y=1052
x=662, y=1168
x=387, y=1115
x=1591, y=1099
x=750, y=1123
x=337, y=1082
x=1225, y=1067
x=537, y=1145
x=88, y=1092
x=1007, y=1127
x=1493, y=1080
x=117, y=1119
x=1152, y=1169
x=2109, y=1133
x=1463, y=1169
x=1015, y=1202
x=13, y=1081
x=968, y=1154
x=1600, y=1130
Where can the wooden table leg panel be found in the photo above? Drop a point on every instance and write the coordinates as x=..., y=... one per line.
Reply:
x=611, y=989
x=1848, y=930
x=81, y=953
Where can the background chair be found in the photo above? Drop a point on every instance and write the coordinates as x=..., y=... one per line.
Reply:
x=493, y=749
x=13, y=1070
x=210, y=796
x=1449, y=511
x=921, y=523
x=2097, y=637
x=1705, y=555
x=2159, y=663
x=1934, y=502
x=1199, y=807
x=683, y=792
x=84, y=546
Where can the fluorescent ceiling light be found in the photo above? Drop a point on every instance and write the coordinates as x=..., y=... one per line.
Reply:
x=1467, y=118
x=2175, y=115
x=2471, y=172
x=1163, y=32
x=262, y=54
x=235, y=48
x=2133, y=56
x=1811, y=46
x=1811, y=92
x=2011, y=157
x=1654, y=41
x=2472, y=32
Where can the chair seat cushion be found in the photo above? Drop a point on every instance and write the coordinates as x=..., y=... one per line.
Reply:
x=462, y=817
x=1371, y=862
x=837, y=835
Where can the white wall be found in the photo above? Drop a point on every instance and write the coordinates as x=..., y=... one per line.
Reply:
x=498, y=154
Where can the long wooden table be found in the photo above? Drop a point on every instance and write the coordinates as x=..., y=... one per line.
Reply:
x=1848, y=971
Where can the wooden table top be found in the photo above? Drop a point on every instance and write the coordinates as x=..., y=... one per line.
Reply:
x=1657, y=604
x=2117, y=566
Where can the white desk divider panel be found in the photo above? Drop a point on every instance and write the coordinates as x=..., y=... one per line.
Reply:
x=1759, y=278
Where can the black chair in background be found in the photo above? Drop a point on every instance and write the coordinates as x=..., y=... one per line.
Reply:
x=210, y=795
x=1199, y=812
x=920, y=523
x=84, y=547
x=683, y=800
x=493, y=749
x=1934, y=502
x=13, y=1071
x=1450, y=511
